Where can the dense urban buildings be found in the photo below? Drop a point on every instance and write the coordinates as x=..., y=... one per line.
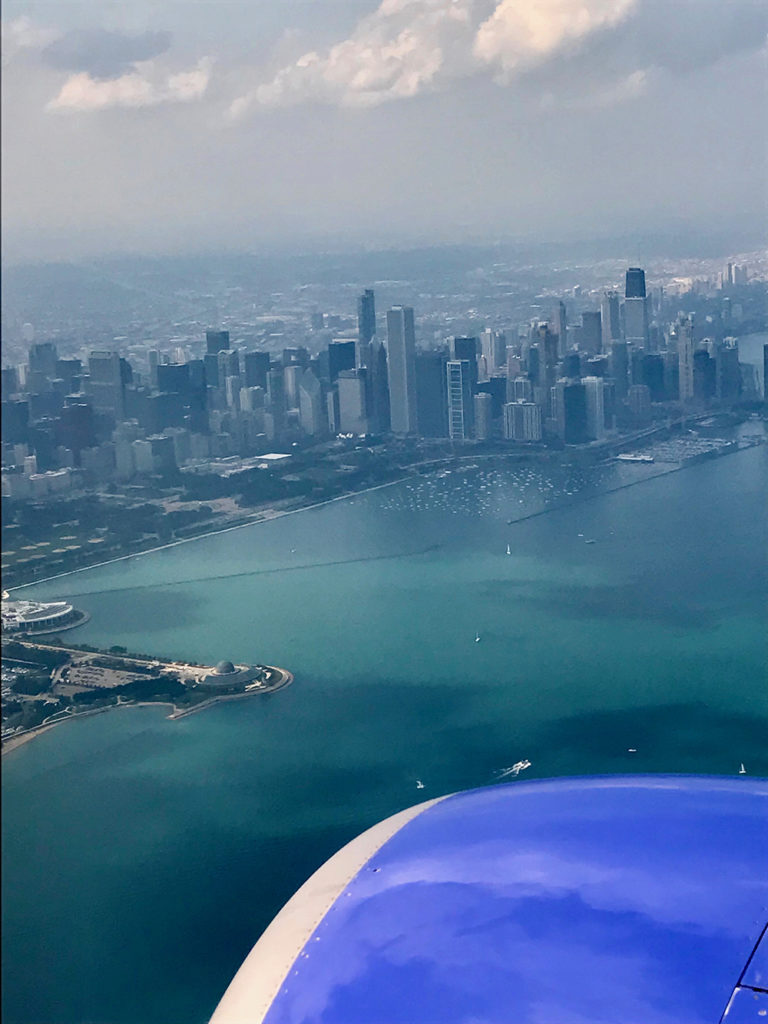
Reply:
x=600, y=364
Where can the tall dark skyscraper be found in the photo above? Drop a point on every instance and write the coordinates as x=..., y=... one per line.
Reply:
x=591, y=331
x=216, y=341
x=466, y=349
x=635, y=284
x=366, y=317
x=341, y=356
x=431, y=394
x=256, y=367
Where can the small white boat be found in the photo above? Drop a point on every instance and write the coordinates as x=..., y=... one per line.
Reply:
x=742, y=770
x=419, y=784
x=515, y=770
x=477, y=638
x=509, y=550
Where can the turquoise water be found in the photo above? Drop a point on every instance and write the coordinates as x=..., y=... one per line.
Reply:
x=143, y=857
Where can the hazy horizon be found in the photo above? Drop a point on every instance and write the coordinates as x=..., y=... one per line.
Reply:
x=167, y=128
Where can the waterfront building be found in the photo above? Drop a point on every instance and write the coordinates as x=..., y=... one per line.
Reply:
x=569, y=411
x=460, y=404
x=639, y=402
x=522, y=421
x=20, y=617
x=483, y=415
x=594, y=394
x=401, y=363
x=431, y=394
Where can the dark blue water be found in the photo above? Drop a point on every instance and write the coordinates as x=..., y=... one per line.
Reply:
x=142, y=857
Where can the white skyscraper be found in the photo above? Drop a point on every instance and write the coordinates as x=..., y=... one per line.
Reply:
x=685, y=358
x=401, y=365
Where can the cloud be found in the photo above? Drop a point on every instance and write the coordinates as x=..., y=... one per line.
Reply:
x=520, y=34
x=143, y=87
x=23, y=34
x=405, y=48
x=104, y=54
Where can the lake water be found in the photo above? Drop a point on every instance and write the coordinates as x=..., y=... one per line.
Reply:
x=142, y=858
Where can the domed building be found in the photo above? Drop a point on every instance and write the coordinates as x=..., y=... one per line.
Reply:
x=228, y=674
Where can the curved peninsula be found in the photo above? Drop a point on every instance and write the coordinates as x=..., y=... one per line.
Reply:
x=46, y=683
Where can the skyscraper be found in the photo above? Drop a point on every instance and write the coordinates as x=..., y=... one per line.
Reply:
x=591, y=332
x=522, y=421
x=634, y=284
x=460, y=406
x=401, y=361
x=104, y=386
x=636, y=309
x=483, y=415
x=685, y=358
x=366, y=325
x=353, y=410
x=594, y=389
x=465, y=348
x=216, y=341
x=341, y=356
x=431, y=394
x=561, y=323
x=610, y=319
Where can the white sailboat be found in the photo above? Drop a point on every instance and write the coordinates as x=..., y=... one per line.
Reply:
x=509, y=550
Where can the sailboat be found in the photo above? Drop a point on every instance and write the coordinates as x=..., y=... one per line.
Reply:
x=509, y=550
x=419, y=784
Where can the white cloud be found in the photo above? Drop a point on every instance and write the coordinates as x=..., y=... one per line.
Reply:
x=407, y=47
x=143, y=87
x=522, y=32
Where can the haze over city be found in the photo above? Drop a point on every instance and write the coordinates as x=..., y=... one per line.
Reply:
x=180, y=127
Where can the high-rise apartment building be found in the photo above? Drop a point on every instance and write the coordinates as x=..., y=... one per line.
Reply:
x=522, y=421
x=401, y=363
x=483, y=403
x=431, y=394
x=460, y=405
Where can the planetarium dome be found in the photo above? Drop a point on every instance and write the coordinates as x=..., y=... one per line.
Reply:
x=225, y=668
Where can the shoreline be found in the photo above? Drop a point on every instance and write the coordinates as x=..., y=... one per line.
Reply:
x=673, y=468
x=254, y=520
x=15, y=742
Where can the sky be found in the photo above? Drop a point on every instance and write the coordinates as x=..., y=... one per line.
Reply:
x=162, y=126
